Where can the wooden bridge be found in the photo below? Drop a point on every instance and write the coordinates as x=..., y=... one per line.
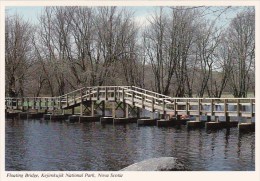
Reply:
x=131, y=98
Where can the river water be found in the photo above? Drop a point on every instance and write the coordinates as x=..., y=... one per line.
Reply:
x=39, y=145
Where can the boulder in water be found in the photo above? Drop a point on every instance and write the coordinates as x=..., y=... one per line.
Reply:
x=157, y=164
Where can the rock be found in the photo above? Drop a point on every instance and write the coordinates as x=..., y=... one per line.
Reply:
x=157, y=164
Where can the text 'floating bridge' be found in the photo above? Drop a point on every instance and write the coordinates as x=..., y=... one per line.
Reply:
x=133, y=98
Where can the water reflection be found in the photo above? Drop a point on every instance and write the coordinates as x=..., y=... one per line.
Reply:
x=44, y=145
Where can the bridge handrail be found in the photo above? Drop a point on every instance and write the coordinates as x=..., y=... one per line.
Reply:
x=32, y=97
x=197, y=98
x=133, y=94
x=151, y=92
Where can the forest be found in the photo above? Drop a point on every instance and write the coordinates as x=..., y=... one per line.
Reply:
x=178, y=51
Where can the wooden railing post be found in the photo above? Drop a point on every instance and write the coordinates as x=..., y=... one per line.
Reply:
x=226, y=111
x=187, y=106
x=143, y=101
x=46, y=103
x=199, y=107
x=113, y=109
x=251, y=110
x=33, y=107
x=118, y=92
x=115, y=91
x=17, y=101
x=28, y=104
x=67, y=100
x=97, y=93
x=152, y=104
x=123, y=95
x=40, y=103
x=212, y=108
x=238, y=108
x=81, y=102
x=105, y=93
x=53, y=104
x=22, y=104
x=90, y=93
x=225, y=107
x=164, y=112
x=133, y=96
x=175, y=107
x=92, y=108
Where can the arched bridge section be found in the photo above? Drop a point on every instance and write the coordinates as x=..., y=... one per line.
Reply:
x=127, y=98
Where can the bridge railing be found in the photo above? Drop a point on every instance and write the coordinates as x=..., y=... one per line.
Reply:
x=244, y=107
x=139, y=97
x=32, y=103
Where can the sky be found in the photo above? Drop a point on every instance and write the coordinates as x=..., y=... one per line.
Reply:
x=31, y=13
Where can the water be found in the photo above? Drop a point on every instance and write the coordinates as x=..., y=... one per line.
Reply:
x=39, y=145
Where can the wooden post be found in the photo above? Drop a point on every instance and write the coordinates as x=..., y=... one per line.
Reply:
x=105, y=93
x=118, y=92
x=226, y=111
x=113, y=109
x=238, y=108
x=123, y=95
x=40, y=104
x=67, y=100
x=92, y=108
x=152, y=104
x=175, y=107
x=115, y=90
x=33, y=103
x=152, y=115
x=187, y=106
x=53, y=105
x=133, y=96
x=142, y=101
x=81, y=102
x=225, y=107
x=17, y=103
x=137, y=112
x=46, y=103
x=22, y=104
x=212, y=108
x=251, y=110
x=97, y=93
x=164, y=112
x=103, y=108
x=60, y=102
x=199, y=107
x=73, y=111
x=90, y=92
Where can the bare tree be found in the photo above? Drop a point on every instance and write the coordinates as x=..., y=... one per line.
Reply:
x=180, y=52
x=242, y=37
x=115, y=31
x=206, y=42
x=168, y=42
x=18, y=57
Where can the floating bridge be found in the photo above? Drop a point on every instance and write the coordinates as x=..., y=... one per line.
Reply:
x=131, y=98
